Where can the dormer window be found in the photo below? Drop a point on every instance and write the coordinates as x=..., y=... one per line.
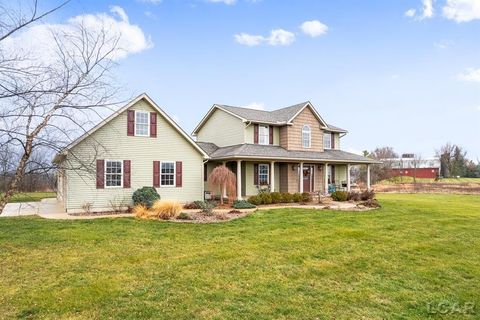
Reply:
x=306, y=136
x=263, y=134
x=142, y=124
x=327, y=140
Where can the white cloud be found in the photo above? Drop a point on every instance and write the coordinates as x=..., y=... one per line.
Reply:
x=280, y=37
x=395, y=76
x=248, y=39
x=470, y=74
x=228, y=2
x=255, y=105
x=462, y=10
x=410, y=13
x=314, y=28
x=151, y=1
x=427, y=11
x=38, y=39
x=277, y=37
x=443, y=44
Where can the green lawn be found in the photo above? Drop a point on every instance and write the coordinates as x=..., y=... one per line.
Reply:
x=31, y=196
x=279, y=264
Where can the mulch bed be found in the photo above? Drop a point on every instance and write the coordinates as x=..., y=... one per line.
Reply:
x=200, y=217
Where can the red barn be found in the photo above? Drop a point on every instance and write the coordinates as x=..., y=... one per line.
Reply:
x=409, y=165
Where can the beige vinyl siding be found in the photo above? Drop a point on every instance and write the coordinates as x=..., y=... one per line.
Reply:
x=169, y=145
x=223, y=129
x=251, y=188
x=336, y=139
x=340, y=173
x=249, y=134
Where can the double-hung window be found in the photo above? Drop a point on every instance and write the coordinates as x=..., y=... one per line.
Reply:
x=142, y=123
x=306, y=136
x=113, y=173
x=327, y=140
x=263, y=134
x=263, y=174
x=167, y=174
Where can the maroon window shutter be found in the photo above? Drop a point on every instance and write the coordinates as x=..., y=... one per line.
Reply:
x=131, y=123
x=333, y=140
x=126, y=173
x=255, y=174
x=255, y=133
x=205, y=172
x=100, y=174
x=270, y=134
x=153, y=124
x=178, y=173
x=333, y=174
x=156, y=174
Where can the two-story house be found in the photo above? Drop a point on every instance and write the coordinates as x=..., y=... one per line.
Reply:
x=291, y=149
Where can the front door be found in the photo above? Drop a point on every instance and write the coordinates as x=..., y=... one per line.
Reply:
x=307, y=178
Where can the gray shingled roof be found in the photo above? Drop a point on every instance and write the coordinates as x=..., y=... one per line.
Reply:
x=276, y=116
x=279, y=153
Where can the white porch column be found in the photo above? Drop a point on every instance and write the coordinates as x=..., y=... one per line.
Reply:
x=368, y=177
x=224, y=191
x=325, y=178
x=348, y=177
x=300, y=177
x=239, y=179
x=272, y=176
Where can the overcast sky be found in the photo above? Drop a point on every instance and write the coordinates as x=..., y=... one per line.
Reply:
x=404, y=74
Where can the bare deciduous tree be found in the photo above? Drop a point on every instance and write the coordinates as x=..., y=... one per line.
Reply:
x=45, y=104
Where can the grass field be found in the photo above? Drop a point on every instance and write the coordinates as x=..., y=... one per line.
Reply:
x=281, y=264
x=31, y=196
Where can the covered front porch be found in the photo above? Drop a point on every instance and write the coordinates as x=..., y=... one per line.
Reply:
x=254, y=175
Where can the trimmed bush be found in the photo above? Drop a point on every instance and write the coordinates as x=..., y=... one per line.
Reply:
x=287, y=197
x=256, y=200
x=145, y=196
x=367, y=195
x=276, y=197
x=242, y=204
x=339, y=196
x=266, y=198
x=354, y=196
x=297, y=197
x=207, y=207
x=184, y=216
x=166, y=209
x=306, y=197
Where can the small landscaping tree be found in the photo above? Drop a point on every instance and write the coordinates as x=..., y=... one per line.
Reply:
x=221, y=177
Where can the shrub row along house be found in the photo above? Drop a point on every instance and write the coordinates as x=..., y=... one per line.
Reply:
x=289, y=150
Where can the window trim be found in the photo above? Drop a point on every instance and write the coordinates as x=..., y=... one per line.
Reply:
x=309, y=136
x=329, y=134
x=259, y=173
x=266, y=127
x=174, y=175
x=105, y=174
x=148, y=123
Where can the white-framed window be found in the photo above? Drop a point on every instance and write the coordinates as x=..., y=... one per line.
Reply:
x=167, y=174
x=327, y=140
x=142, y=123
x=263, y=134
x=113, y=173
x=306, y=136
x=263, y=174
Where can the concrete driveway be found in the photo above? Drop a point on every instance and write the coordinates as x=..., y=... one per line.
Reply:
x=48, y=209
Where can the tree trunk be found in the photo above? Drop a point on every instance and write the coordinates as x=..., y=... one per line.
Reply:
x=12, y=186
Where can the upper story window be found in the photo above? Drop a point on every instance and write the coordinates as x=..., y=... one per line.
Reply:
x=263, y=174
x=142, y=124
x=167, y=177
x=113, y=174
x=306, y=136
x=327, y=140
x=263, y=134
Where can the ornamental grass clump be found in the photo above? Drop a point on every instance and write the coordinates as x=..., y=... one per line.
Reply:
x=166, y=209
x=140, y=211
